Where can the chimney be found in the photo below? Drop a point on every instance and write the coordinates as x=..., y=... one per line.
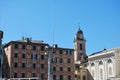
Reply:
x=55, y=46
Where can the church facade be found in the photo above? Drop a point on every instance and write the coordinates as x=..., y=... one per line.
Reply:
x=104, y=65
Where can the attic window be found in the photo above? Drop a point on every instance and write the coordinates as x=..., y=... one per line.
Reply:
x=92, y=64
x=109, y=61
x=100, y=63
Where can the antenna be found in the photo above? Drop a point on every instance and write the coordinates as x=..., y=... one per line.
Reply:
x=50, y=55
x=54, y=21
x=22, y=36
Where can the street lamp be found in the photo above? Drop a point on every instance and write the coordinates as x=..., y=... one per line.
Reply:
x=49, y=54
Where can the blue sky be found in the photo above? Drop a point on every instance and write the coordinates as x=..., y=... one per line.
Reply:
x=99, y=20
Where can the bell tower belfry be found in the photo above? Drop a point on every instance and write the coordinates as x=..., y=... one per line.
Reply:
x=79, y=46
x=80, y=56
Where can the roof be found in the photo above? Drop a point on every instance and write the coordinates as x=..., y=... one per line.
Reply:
x=55, y=46
x=104, y=52
x=37, y=42
x=25, y=42
x=79, y=31
x=95, y=53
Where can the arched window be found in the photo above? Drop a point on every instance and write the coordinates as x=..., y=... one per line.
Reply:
x=109, y=61
x=92, y=64
x=110, y=71
x=100, y=63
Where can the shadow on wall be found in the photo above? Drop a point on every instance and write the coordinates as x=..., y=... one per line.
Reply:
x=6, y=67
x=90, y=76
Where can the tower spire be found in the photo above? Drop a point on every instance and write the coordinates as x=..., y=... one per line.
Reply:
x=79, y=25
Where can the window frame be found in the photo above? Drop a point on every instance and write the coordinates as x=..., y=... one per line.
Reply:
x=34, y=47
x=23, y=46
x=15, y=55
x=16, y=46
x=15, y=64
x=15, y=75
x=42, y=66
x=23, y=55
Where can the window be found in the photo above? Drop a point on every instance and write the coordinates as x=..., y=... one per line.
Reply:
x=42, y=75
x=80, y=46
x=60, y=51
x=76, y=76
x=84, y=78
x=61, y=77
x=23, y=75
x=34, y=47
x=54, y=77
x=33, y=65
x=100, y=63
x=33, y=75
x=69, y=69
x=23, y=46
x=92, y=64
x=34, y=56
x=54, y=60
x=60, y=60
x=42, y=57
x=69, y=77
x=23, y=65
x=42, y=48
x=23, y=56
x=101, y=73
x=110, y=71
x=16, y=55
x=61, y=69
x=42, y=66
x=15, y=46
x=15, y=75
x=109, y=61
x=68, y=52
x=15, y=64
x=54, y=68
x=68, y=61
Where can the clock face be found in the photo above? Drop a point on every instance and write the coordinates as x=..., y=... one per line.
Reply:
x=80, y=36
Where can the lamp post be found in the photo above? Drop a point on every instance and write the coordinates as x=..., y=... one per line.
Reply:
x=49, y=54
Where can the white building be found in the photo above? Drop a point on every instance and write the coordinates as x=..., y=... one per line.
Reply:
x=104, y=65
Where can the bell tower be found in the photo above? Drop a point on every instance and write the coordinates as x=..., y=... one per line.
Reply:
x=79, y=46
x=80, y=56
